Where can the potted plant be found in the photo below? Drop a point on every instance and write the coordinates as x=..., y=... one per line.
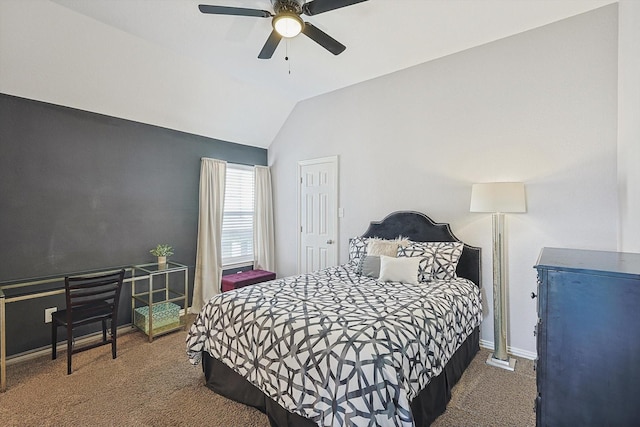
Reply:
x=162, y=251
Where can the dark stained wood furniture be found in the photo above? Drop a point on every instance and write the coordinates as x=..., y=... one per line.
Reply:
x=588, y=367
x=90, y=299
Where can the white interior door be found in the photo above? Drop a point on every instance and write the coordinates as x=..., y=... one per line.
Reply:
x=317, y=214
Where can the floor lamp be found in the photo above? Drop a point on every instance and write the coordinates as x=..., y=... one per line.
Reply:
x=499, y=198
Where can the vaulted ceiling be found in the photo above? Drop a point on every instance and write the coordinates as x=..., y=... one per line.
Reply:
x=165, y=63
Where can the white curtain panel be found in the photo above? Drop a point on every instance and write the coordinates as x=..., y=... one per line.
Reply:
x=208, y=273
x=263, y=230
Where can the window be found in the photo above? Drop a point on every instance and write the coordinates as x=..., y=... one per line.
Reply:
x=237, y=219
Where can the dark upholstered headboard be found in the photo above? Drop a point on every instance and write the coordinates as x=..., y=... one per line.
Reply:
x=420, y=228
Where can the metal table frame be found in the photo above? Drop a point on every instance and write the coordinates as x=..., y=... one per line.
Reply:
x=26, y=283
x=147, y=297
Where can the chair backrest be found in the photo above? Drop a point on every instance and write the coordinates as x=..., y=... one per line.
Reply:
x=84, y=292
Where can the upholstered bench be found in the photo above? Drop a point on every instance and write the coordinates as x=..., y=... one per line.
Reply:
x=245, y=278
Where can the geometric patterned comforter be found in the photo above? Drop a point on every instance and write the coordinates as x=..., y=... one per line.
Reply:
x=336, y=347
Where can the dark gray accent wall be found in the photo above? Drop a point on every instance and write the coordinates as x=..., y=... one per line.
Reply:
x=80, y=190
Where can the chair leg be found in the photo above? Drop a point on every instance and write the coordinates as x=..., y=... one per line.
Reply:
x=69, y=349
x=54, y=339
x=113, y=338
x=104, y=330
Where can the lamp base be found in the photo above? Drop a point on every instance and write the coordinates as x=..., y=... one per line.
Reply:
x=509, y=364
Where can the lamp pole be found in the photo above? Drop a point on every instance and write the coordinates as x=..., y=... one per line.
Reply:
x=498, y=198
x=500, y=357
x=499, y=324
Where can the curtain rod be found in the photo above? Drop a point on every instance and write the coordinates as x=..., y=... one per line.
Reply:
x=234, y=163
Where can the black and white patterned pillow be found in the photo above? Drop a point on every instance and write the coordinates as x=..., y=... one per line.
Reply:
x=425, y=267
x=357, y=249
x=444, y=257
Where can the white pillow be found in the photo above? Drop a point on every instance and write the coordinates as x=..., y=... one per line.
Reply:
x=399, y=269
x=377, y=247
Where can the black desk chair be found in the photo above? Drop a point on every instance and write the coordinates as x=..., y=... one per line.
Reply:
x=90, y=299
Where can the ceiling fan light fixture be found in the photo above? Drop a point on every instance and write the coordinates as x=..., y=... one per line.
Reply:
x=287, y=24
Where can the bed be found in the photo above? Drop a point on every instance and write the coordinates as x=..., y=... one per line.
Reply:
x=338, y=347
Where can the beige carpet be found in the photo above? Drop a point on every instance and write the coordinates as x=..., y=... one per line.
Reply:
x=153, y=384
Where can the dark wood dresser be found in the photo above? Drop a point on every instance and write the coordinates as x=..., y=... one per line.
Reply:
x=588, y=338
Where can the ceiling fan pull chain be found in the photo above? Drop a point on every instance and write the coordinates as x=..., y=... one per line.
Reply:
x=286, y=53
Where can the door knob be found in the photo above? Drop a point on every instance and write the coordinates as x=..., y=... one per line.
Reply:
x=533, y=295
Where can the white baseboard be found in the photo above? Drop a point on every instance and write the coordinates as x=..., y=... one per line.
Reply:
x=511, y=350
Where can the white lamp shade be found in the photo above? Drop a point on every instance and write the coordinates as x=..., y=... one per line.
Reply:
x=288, y=24
x=498, y=197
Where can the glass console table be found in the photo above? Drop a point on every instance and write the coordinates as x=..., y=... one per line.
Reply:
x=158, y=293
x=150, y=284
x=37, y=287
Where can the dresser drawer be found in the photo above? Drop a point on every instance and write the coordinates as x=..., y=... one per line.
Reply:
x=588, y=371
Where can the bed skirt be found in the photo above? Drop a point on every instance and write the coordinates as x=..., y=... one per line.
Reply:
x=426, y=407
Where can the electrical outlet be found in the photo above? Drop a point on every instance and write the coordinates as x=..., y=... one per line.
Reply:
x=47, y=313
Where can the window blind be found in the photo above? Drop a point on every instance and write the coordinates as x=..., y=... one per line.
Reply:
x=237, y=220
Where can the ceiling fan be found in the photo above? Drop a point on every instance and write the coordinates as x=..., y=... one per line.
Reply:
x=287, y=22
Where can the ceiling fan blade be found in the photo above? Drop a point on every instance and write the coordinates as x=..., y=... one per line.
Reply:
x=270, y=46
x=323, y=39
x=237, y=11
x=320, y=6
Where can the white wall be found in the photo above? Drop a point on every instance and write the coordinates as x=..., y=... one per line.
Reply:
x=52, y=54
x=629, y=125
x=538, y=107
